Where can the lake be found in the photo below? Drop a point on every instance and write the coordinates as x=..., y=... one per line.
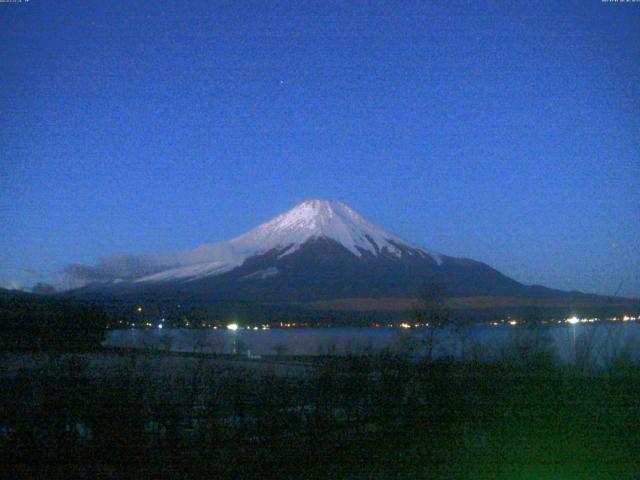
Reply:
x=603, y=340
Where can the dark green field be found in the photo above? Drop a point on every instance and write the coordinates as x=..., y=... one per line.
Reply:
x=138, y=415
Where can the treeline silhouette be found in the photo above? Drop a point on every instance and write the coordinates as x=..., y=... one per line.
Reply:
x=371, y=416
x=37, y=322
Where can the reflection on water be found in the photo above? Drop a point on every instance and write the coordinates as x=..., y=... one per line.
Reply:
x=602, y=341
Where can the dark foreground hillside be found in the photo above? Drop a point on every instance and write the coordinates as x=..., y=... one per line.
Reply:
x=157, y=416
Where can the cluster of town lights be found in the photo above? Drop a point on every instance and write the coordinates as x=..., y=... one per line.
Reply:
x=626, y=318
x=573, y=320
x=234, y=326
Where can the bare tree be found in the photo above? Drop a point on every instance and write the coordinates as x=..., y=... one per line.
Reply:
x=432, y=314
x=167, y=342
x=462, y=330
x=280, y=349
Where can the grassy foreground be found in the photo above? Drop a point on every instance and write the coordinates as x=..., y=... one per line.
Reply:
x=382, y=416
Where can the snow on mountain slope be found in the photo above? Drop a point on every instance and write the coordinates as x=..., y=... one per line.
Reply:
x=287, y=233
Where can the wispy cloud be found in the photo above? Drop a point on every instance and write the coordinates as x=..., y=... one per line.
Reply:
x=121, y=267
x=12, y=285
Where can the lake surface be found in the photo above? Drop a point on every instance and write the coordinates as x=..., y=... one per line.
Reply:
x=603, y=341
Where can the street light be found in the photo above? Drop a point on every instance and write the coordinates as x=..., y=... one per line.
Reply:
x=573, y=321
x=233, y=327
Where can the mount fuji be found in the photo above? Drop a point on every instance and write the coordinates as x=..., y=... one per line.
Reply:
x=316, y=251
x=313, y=221
x=324, y=254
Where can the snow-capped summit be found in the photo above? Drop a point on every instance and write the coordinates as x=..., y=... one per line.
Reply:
x=288, y=232
x=321, y=218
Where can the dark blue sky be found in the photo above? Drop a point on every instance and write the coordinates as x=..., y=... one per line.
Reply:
x=505, y=133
